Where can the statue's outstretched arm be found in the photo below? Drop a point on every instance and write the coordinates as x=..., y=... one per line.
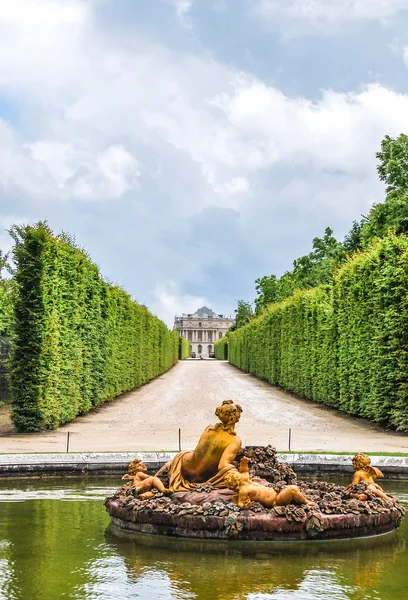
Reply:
x=229, y=454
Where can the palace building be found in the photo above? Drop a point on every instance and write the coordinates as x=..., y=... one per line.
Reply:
x=202, y=329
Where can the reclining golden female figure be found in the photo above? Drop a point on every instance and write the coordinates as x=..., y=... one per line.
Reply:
x=213, y=456
x=248, y=491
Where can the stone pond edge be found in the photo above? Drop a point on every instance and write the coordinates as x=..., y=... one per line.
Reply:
x=111, y=463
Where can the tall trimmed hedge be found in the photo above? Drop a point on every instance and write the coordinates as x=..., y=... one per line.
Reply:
x=343, y=344
x=184, y=348
x=79, y=341
x=221, y=349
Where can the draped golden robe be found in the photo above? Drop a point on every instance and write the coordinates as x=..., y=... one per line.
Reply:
x=179, y=483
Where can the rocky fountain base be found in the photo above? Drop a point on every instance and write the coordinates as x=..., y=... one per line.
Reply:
x=209, y=513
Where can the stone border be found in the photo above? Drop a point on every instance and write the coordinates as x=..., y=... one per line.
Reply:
x=83, y=463
x=111, y=463
x=259, y=527
x=394, y=467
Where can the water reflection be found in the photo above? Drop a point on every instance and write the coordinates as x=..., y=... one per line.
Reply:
x=52, y=549
x=203, y=569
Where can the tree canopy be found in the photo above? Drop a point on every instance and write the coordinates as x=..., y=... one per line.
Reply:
x=327, y=253
x=6, y=301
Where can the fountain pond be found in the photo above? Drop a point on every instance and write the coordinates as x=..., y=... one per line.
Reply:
x=56, y=542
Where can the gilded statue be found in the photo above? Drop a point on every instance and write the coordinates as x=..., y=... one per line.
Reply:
x=249, y=491
x=213, y=456
x=144, y=484
x=364, y=472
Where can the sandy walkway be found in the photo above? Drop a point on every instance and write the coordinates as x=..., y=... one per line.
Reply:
x=185, y=397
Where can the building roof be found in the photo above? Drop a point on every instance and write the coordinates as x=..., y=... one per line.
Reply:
x=204, y=310
x=202, y=313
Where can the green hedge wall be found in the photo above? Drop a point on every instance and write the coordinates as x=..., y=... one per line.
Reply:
x=221, y=349
x=79, y=341
x=184, y=348
x=344, y=344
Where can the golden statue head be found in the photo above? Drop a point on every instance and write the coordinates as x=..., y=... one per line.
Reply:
x=232, y=480
x=136, y=466
x=361, y=461
x=228, y=413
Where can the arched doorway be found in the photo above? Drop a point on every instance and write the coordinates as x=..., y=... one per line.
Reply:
x=209, y=348
x=199, y=349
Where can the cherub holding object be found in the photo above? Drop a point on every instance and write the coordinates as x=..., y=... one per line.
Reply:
x=363, y=471
x=144, y=484
x=248, y=491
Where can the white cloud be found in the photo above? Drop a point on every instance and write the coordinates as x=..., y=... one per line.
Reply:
x=263, y=127
x=231, y=125
x=115, y=172
x=95, y=104
x=41, y=43
x=169, y=302
x=182, y=7
x=327, y=15
x=229, y=191
x=61, y=170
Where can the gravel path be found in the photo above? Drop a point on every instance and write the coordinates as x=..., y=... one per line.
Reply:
x=185, y=398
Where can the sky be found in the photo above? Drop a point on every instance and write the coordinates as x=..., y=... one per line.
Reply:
x=192, y=146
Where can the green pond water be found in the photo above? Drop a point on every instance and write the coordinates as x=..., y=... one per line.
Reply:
x=55, y=542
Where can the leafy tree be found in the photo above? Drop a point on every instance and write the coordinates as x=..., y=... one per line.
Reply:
x=310, y=270
x=393, y=167
x=317, y=267
x=243, y=315
x=267, y=289
x=353, y=242
x=392, y=214
x=6, y=298
x=327, y=253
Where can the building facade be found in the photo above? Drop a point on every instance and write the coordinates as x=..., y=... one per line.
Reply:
x=202, y=329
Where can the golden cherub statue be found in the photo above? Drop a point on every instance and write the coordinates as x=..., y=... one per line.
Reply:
x=144, y=484
x=363, y=471
x=248, y=491
x=213, y=456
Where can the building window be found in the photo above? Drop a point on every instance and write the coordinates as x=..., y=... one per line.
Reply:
x=209, y=349
x=199, y=324
x=210, y=336
x=200, y=336
x=190, y=336
x=199, y=349
x=220, y=335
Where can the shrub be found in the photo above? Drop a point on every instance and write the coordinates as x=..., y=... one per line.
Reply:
x=78, y=340
x=221, y=348
x=184, y=348
x=344, y=344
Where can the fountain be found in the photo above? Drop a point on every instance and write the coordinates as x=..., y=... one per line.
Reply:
x=223, y=491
